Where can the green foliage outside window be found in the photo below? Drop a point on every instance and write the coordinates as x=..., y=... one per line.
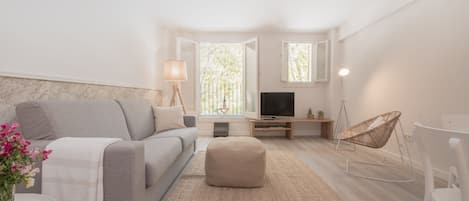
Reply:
x=221, y=76
x=299, y=62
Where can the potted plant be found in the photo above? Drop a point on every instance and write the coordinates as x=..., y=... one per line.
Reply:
x=310, y=114
x=16, y=161
x=320, y=114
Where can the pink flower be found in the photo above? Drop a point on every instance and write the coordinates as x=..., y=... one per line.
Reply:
x=24, y=149
x=6, y=149
x=33, y=172
x=4, y=130
x=26, y=169
x=14, y=125
x=4, y=126
x=18, y=158
x=3, y=134
x=15, y=166
x=45, y=154
x=35, y=153
x=7, y=129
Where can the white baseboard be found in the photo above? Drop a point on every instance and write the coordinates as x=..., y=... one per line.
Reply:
x=441, y=174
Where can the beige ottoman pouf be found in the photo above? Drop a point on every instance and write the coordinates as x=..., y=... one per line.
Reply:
x=235, y=162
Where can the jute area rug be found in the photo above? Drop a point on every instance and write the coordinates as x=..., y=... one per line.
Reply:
x=287, y=179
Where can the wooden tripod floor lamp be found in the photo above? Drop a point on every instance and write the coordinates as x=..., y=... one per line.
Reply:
x=176, y=72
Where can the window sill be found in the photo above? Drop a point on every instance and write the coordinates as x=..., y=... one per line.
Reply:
x=303, y=84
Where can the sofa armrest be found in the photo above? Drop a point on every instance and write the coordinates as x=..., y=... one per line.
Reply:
x=37, y=188
x=124, y=171
x=190, y=120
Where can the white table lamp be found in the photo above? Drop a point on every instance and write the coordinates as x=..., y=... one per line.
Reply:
x=176, y=72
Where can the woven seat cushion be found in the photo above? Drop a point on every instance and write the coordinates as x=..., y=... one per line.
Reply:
x=235, y=162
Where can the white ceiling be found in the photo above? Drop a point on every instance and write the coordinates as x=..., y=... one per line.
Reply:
x=258, y=15
x=198, y=15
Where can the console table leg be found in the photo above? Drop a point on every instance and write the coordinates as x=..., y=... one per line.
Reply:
x=289, y=133
x=326, y=130
x=252, y=126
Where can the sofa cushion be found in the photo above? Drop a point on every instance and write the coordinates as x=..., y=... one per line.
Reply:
x=139, y=118
x=187, y=136
x=54, y=119
x=160, y=154
x=167, y=118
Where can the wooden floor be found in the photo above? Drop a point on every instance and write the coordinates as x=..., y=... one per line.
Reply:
x=320, y=155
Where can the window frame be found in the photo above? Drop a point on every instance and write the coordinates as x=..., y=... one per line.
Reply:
x=196, y=81
x=313, y=63
x=327, y=61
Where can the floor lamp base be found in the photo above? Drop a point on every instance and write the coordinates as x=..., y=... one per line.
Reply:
x=177, y=94
x=343, y=109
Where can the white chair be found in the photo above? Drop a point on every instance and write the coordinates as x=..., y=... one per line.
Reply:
x=435, y=152
x=462, y=167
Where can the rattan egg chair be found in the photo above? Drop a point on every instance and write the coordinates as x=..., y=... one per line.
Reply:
x=377, y=137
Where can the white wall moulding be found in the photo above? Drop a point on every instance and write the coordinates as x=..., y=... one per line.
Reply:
x=16, y=90
x=59, y=78
x=370, y=16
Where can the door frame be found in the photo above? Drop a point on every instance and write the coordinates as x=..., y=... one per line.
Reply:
x=256, y=113
x=179, y=41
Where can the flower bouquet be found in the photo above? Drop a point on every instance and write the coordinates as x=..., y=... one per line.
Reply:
x=16, y=161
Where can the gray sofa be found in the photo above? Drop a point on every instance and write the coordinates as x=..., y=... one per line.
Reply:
x=141, y=167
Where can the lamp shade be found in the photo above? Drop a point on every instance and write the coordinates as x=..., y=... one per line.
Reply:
x=344, y=72
x=175, y=70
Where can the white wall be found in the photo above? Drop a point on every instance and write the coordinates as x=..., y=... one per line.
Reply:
x=270, y=61
x=415, y=61
x=100, y=42
x=370, y=14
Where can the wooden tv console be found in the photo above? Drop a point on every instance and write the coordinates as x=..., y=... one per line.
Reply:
x=287, y=125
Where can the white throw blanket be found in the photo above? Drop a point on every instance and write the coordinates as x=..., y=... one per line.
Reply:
x=74, y=170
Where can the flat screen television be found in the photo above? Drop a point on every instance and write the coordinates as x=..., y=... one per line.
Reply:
x=277, y=104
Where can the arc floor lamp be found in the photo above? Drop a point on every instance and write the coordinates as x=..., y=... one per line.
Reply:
x=175, y=71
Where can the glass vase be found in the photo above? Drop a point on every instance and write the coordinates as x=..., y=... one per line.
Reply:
x=7, y=192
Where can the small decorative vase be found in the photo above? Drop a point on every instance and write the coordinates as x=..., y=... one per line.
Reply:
x=310, y=114
x=7, y=192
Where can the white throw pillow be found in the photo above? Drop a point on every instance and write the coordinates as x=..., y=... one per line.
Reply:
x=167, y=118
x=378, y=122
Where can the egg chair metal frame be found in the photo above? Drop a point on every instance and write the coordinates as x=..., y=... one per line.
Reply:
x=376, y=138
